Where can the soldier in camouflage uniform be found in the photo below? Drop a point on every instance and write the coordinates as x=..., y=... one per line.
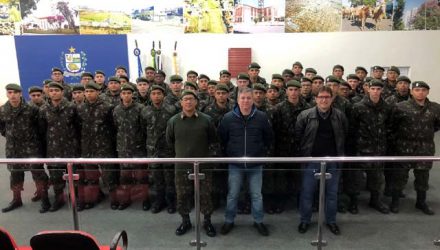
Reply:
x=287, y=75
x=191, y=76
x=85, y=78
x=297, y=68
x=156, y=116
x=100, y=79
x=191, y=133
x=176, y=88
x=272, y=96
x=149, y=74
x=78, y=94
x=306, y=89
x=97, y=141
x=310, y=73
x=390, y=82
x=415, y=122
x=203, y=91
x=378, y=72
x=211, y=91
x=259, y=96
x=58, y=119
x=159, y=79
x=278, y=80
x=369, y=129
x=113, y=93
x=242, y=82
x=19, y=125
x=317, y=83
x=36, y=95
x=225, y=78
x=143, y=87
x=254, y=77
x=130, y=143
x=276, y=182
x=57, y=76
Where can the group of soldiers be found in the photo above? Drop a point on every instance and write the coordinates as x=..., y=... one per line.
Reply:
x=112, y=117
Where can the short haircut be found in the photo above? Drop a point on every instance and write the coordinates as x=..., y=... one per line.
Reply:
x=325, y=89
x=244, y=90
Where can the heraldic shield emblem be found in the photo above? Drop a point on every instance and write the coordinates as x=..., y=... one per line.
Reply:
x=74, y=63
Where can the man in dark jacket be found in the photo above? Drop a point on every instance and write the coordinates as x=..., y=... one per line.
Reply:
x=320, y=131
x=245, y=132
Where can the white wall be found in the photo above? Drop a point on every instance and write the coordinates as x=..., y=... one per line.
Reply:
x=8, y=65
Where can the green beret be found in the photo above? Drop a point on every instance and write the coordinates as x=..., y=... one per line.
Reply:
x=78, y=87
x=92, y=85
x=376, y=83
x=311, y=70
x=127, y=86
x=277, y=76
x=13, y=86
x=99, y=72
x=394, y=69
x=297, y=64
x=243, y=76
x=259, y=86
x=378, y=68
x=344, y=83
x=176, y=78
x=296, y=78
x=353, y=76
x=86, y=74
x=203, y=76
x=47, y=81
x=272, y=86
x=368, y=78
x=56, y=69
x=403, y=78
x=287, y=72
x=293, y=83
x=332, y=79
x=225, y=72
x=361, y=68
x=192, y=72
x=306, y=79
x=222, y=87
x=56, y=85
x=35, y=89
x=158, y=87
x=124, y=77
x=188, y=92
x=114, y=78
x=254, y=65
x=141, y=79
x=149, y=68
x=212, y=82
x=121, y=67
x=161, y=72
x=419, y=84
x=191, y=84
x=317, y=77
x=338, y=66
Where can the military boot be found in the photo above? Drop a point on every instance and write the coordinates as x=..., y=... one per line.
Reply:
x=15, y=203
x=377, y=204
x=59, y=201
x=394, y=206
x=158, y=202
x=353, y=207
x=45, y=203
x=421, y=203
x=171, y=200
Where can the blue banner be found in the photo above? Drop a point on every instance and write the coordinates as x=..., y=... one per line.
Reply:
x=73, y=54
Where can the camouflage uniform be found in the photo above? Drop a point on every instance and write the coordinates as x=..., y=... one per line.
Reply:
x=204, y=100
x=163, y=188
x=260, y=80
x=173, y=100
x=389, y=89
x=130, y=143
x=396, y=98
x=67, y=91
x=144, y=100
x=113, y=99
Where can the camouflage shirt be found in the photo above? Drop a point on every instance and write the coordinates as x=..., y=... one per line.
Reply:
x=113, y=99
x=173, y=100
x=216, y=112
x=396, y=98
x=388, y=89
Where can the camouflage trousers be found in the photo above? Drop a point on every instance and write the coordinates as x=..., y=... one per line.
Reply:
x=281, y=179
x=133, y=174
x=17, y=175
x=400, y=174
x=90, y=174
x=56, y=173
x=162, y=179
x=185, y=190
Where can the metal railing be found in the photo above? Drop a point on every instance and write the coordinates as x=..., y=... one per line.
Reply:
x=196, y=176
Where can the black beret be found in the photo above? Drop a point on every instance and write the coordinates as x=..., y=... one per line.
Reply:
x=277, y=76
x=288, y=72
x=161, y=72
x=306, y=79
x=394, y=69
x=56, y=85
x=297, y=64
x=99, y=72
x=378, y=68
x=141, y=79
x=272, y=86
x=188, y=92
x=13, y=86
x=191, y=84
x=293, y=83
x=127, y=86
x=344, y=83
x=225, y=72
x=176, y=78
x=56, y=69
x=338, y=66
x=361, y=68
x=34, y=89
x=121, y=67
x=419, y=84
x=212, y=82
x=124, y=77
x=86, y=74
x=158, y=87
x=254, y=65
x=203, y=76
x=92, y=85
x=243, y=76
x=259, y=86
x=78, y=87
x=192, y=72
x=376, y=83
x=311, y=70
x=114, y=78
x=222, y=87
x=318, y=77
x=353, y=76
x=403, y=78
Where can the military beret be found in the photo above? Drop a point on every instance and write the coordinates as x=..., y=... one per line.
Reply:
x=188, y=92
x=243, y=76
x=254, y=65
x=176, y=78
x=259, y=86
x=78, y=87
x=192, y=72
x=203, y=76
x=56, y=69
x=158, y=87
x=344, y=83
x=149, y=68
x=121, y=67
x=92, y=85
x=403, y=78
x=99, y=72
x=124, y=77
x=161, y=72
x=293, y=83
x=114, y=78
x=272, y=86
x=311, y=70
x=47, y=81
x=306, y=79
x=222, y=87
x=56, y=85
x=87, y=74
x=13, y=86
x=34, y=89
x=353, y=76
x=338, y=66
x=332, y=79
x=191, y=84
x=288, y=72
x=419, y=84
x=361, y=68
x=212, y=82
x=378, y=68
x=368, y=78
x=317, y=77
x=394, y=69
x=376, y=83
x=141, y=79
x=127, y=86
x=225, y=72
x=277, y=76
x=297, y=64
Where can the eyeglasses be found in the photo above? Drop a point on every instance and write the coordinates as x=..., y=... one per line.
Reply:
x=323, y=97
